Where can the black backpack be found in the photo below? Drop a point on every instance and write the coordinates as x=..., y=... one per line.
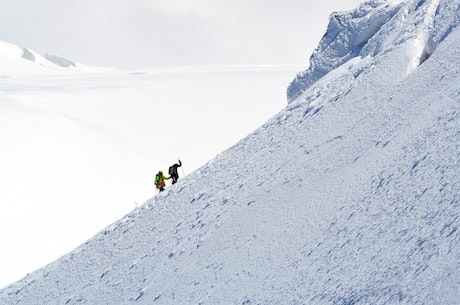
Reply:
x=172, y=170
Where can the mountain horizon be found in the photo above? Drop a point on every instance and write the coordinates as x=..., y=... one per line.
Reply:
x=24, y=61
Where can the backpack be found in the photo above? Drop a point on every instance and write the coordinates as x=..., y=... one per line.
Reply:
x=172, y=170
x=158, y=178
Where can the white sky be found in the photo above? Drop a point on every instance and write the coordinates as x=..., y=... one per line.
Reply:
x=134, y=34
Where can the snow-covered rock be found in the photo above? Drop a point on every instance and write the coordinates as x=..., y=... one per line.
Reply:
x=376, y=27
x=350, y=195
x=60, y=61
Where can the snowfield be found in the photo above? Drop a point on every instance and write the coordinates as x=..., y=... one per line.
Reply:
x=80, y=150
x=349, y=195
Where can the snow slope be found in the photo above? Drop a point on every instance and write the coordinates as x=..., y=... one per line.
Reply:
x=84, y=147
x=350, y=195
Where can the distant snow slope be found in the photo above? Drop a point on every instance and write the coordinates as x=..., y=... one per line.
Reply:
x=22, y=61
x=348, y=196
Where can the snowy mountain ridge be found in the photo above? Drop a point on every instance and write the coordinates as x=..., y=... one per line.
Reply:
x=375, y=28
x=23, y=61
x=348, y=196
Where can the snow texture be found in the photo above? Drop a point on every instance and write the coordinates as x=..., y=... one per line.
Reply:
x=348, y=196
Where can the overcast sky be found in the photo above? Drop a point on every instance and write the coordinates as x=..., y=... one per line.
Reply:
x=132, y=34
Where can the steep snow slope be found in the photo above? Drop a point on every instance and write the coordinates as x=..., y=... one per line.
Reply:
x=348, y=196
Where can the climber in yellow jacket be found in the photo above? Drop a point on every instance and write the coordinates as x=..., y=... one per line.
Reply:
x=160, y=181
